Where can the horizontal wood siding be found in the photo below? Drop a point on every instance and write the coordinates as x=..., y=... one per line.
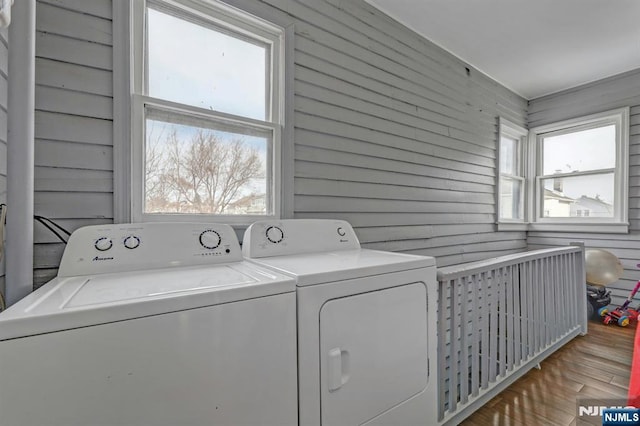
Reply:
x=395, y=135
x=4, y=52
x=73, y=122
x=391, y=132
x=615, y=92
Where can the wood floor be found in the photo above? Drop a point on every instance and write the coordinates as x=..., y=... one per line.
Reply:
x=594, y=366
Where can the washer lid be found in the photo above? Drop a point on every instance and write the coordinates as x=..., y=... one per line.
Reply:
x=318, y=268
x=66, y=303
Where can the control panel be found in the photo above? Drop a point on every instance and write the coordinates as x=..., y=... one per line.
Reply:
x=138, y=246
x=296, y=236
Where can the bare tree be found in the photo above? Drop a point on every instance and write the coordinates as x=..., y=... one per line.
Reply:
x=201, y=175
x=156, y=188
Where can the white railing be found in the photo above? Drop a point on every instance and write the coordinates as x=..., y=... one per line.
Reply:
x=500, y=317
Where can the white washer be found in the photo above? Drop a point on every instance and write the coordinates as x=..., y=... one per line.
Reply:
x=367, y=349
x=152, y=324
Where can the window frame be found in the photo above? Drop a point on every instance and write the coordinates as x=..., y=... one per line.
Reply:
x=618, y=223
x=511, y=130
x=241, y=24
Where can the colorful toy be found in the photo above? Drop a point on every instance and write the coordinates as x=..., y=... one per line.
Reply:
x=623, y=314
x=598, y=297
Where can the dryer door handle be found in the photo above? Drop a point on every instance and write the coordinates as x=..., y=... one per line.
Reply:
x=337, y=369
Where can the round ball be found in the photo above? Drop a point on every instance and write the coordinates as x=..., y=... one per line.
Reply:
x=603, y=267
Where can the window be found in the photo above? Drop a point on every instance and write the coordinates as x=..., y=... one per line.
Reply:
x=581, y=173
x=208, y=94
x=567, y=176
x=511, y=181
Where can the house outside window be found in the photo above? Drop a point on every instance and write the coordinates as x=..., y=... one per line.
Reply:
x=207, y=113
x=576, y=174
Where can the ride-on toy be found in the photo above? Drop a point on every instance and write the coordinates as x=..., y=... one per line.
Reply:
x=598, y=297
x=623, y=314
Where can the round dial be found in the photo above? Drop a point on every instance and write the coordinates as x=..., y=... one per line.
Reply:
x=274, y=234
x=210, y=239
x=103, y=243
x=131, y=242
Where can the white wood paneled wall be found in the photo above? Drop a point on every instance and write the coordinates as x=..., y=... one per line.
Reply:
x=615, y=92
x=4, y=49
x=73, y=122
x=395, y=135
x=392, y=133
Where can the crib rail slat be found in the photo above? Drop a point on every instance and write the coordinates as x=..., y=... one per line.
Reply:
x=484, y=370
x=510, y=318
x=498, y=318
x=502, y=323
x=443, y=353
x=454, y=345
x=475, y=336
x=493, y=326
x=464, y=346
x=532, y=312
x=517, y=343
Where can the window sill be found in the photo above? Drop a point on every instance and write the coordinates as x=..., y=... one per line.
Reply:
x=236, y=221
x=593, y=227
x=513, y=226
x=587, y=228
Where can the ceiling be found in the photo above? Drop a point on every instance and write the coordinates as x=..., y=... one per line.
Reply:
x=533, y=47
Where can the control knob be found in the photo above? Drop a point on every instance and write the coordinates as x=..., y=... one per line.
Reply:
x=210, y=239
x=103, y=244
x=274, y=234
x=131, y=242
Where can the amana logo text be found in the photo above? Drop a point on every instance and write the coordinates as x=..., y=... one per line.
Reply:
x=98, y=258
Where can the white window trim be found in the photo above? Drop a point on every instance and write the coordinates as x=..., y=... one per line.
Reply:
x=618, y=224
x=530, y=156
x=122, y=79
x=512, y=130
x=128, y=40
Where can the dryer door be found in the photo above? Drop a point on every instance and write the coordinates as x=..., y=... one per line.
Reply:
x=373, y=353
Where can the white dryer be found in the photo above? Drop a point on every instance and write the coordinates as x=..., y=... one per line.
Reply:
x=152, y=324
x=366, y=324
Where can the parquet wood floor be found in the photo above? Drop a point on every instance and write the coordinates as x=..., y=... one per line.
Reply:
x=596, y=365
